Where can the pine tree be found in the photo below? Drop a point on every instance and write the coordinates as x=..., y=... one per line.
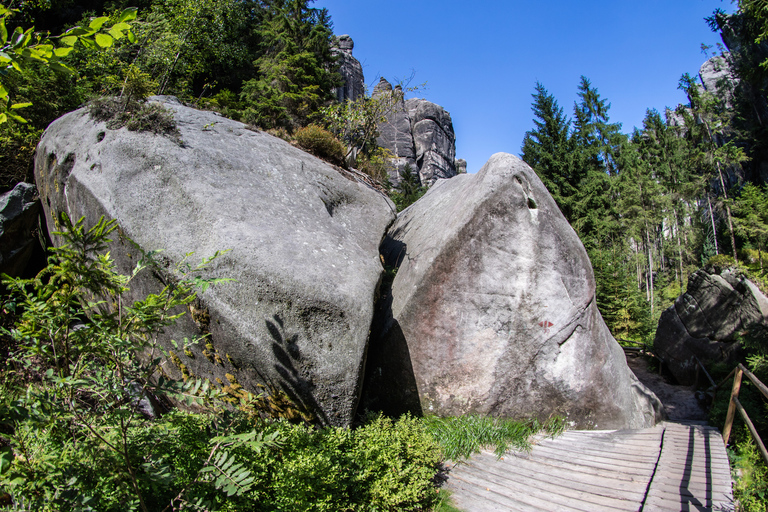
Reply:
x=548, y=150
x=297, y=71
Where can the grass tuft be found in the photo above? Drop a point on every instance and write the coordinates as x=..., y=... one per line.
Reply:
x=460, y=437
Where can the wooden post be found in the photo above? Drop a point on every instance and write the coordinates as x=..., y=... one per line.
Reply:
x=732, y=406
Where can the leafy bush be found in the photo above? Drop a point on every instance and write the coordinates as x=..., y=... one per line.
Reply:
x=383, y=465
x=322, y=144
x=376, y=164
x=409, y=189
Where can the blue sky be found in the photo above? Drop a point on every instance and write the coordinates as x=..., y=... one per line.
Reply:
x=482, y=59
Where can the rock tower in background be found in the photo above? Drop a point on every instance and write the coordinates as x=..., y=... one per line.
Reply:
x=417, y=132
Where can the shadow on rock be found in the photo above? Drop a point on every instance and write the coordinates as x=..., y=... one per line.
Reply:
x=286, y=351
x=389, y=385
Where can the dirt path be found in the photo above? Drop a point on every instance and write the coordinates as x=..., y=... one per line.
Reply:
x=680, y=402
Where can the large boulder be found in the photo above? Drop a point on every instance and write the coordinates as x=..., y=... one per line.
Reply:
x=302, y=236
x=492, y=311
x=704, y=321
x=19, y=211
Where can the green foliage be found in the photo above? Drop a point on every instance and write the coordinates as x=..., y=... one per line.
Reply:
x=74, y=436
x=25, y=47
x=296, y=71
x=375, y=164
x=383, y=465
x=548, y=149
x=409, y=190
x=461, y=436
x=356, y=122
x=750, y=486
x=321, y=143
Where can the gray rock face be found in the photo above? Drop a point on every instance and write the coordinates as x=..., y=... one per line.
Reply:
x=303, y=241
x=433, y=139
x=395, y=134
x=718, y=77
x=19, y=210
x=704, y=321
x=350, y=69
x=492, y=311
x=420, y=134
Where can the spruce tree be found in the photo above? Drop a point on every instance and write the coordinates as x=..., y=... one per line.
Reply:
x=297, y=71
x=548, y=150
x=596, y=143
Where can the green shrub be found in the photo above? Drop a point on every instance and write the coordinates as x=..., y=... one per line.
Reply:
x=750, y=486
x=720, y=262
x=322, y=144
x=376, y=165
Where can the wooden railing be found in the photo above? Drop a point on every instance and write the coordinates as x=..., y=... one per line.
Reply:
x=735, y=405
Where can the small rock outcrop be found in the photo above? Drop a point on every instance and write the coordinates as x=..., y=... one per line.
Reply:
x=302, y=236
x=19, y=211
x=492, y=311
x=350, y=69
x=704, y=321
x=418, y=133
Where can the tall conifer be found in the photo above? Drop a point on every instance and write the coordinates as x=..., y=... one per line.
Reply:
x=548, y=150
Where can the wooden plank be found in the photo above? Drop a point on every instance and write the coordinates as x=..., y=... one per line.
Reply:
x=590, y=470
x=653, y=504
x=622, y=453
x=707, y=499
x=607, y=484
x=546, y=494
x=562, y=487
x=501, y=495
x=700, y=465
x=471, y=498
x=615, y=464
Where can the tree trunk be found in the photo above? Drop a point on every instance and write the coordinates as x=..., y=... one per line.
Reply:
x=712, y=218
x=679, y=249
x=650, y=267
x=727, y=212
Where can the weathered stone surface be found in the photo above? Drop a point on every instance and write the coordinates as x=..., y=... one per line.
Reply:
x=350, y=69
x=705, y=320
x=492, y=311
x=303, y=241
x=434, y=140
x=395, y=134
x=420, y=134
x=19, y=210
x=718, y=77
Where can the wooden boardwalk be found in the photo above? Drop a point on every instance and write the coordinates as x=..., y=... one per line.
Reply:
x=671, y=467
